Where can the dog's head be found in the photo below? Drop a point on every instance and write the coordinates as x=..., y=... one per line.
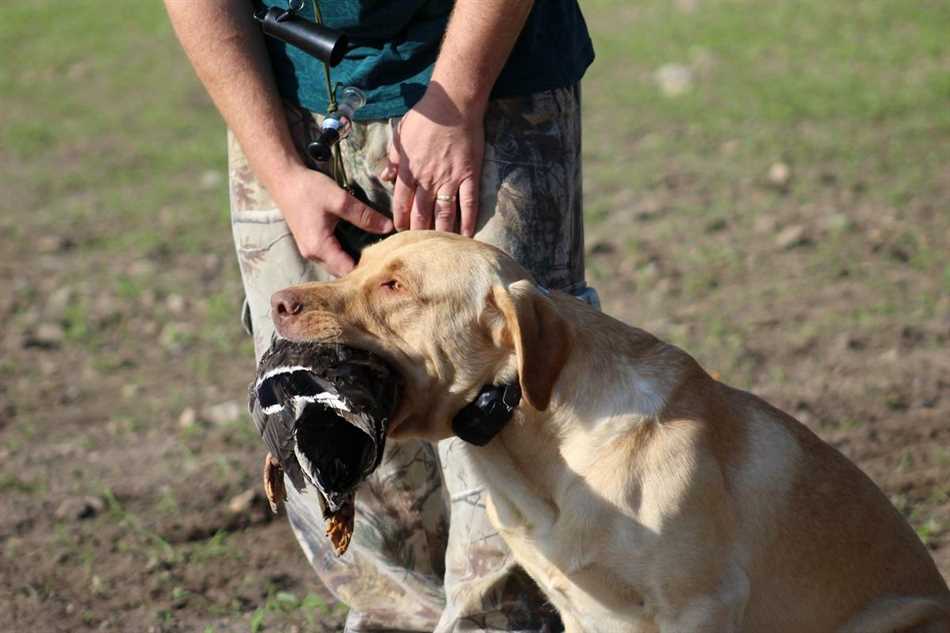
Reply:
x=450, y=314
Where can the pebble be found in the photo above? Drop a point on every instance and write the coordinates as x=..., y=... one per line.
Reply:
x=148, y=298
x=211, y=179
x=791, y=236
x=602, y=247
x=77, y=508
x=149, y=328
x=674, y=79
x=48, y=367
x=130, y=390
x=58, y=301
x=52, y=244
x=242, y=503
x=836, y=222
x=107, y=307
x=891, y=356
x=187, y=418
x=765, y=224
x=212, y=263
x=175, y=304
x=46, y=335
x=729, y=148
x=779, y=174
x=223, y=412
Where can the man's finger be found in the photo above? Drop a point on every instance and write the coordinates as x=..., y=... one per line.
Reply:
x=446, y=208
x=402, y=201
x=388, y=173
x=422, y=204
x=334, y=258
x=468, y=201
x=359, y=214
x=404, y=185
x=391, y=168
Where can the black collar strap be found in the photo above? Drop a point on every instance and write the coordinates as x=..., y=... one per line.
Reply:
x=483, y=418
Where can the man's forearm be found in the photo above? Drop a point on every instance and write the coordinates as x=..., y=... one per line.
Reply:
x=226, y=48
x=478, y=41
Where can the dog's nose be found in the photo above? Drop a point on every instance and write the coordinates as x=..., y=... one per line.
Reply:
x=285, y=304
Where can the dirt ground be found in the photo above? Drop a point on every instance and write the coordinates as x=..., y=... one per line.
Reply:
x=124, y=463
x=794, y=238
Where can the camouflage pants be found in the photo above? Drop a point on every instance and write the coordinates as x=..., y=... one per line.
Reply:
x=423, y=556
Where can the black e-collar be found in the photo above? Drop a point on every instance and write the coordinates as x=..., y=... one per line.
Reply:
x=483, y=418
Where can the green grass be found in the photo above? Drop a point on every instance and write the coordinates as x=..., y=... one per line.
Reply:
x=804, y=81
x=856, y=92
x=851, y=96
x=104, y=120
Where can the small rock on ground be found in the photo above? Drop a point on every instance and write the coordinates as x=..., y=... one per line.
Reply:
x=779, y=174
x=223, y=412
x=46, y=335
x=77, y=508
x=242, y=503
x=791, y=236
x=674, y=79
x=187, y=418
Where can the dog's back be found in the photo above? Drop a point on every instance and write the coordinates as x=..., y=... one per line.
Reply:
x=828, y=551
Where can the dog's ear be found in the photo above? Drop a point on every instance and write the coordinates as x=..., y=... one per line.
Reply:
x=541, y=337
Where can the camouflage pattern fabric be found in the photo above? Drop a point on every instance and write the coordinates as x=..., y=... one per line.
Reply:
x=424, y=556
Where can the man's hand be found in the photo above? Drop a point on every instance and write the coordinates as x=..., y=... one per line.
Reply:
x=312, y=204
x=225, y=46
x=436, y=155
x=436, y=159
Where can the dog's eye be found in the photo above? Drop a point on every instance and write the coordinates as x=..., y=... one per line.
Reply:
x=392, y=284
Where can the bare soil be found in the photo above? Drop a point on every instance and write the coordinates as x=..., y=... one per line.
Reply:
x=121, y=455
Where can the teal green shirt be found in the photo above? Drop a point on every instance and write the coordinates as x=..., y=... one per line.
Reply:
x=398, y=44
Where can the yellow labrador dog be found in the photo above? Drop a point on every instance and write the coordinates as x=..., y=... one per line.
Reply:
x=641, y=494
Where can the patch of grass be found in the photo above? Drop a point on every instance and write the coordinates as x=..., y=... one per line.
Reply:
x=850, y=424
x=10, y=483
x=257, y=621
x=905, y=462
x=163, y=550
x=128, y=288
x=927, y=529
x=167, y=501
x=77, y=96
x=852, y=97
x=285, y=603
x=216, y=547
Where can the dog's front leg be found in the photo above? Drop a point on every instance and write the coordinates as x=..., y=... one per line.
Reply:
x=517, y=503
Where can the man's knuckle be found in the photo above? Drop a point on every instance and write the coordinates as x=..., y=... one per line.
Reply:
x=365, y=216
x=310, y=251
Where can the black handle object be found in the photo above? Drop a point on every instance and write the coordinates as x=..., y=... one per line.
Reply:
x=321, y=150
x=337, y=124
x=324, y=43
